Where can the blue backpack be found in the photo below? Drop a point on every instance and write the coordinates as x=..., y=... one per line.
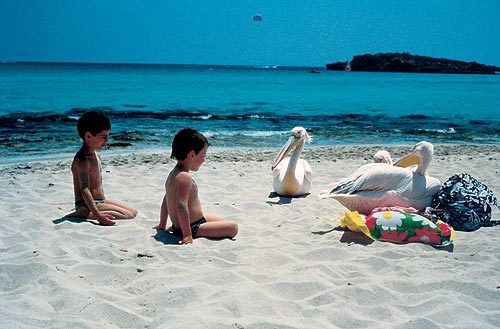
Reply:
x=464, y=202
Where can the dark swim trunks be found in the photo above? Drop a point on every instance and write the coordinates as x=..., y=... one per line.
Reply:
x=195, y=226
x=81, y=203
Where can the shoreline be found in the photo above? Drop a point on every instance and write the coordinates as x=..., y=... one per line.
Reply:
x=268, y=153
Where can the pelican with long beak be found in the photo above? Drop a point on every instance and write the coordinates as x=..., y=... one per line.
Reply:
x=383, y=185
x=292, y=176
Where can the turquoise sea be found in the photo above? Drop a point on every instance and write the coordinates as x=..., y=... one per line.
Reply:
x=239, y=107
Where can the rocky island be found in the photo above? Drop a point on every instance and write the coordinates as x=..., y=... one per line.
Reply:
x=404, y=62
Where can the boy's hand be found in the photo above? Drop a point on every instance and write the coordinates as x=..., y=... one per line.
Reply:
x=159, y=227
x=106, y=220
x=187, y=240
x=162, y=228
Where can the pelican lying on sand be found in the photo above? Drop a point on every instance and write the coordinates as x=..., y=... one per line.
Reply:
x=382, y=156
x=292, y=176
x=382, y=185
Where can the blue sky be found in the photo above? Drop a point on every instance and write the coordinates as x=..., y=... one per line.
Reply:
x=291, y=33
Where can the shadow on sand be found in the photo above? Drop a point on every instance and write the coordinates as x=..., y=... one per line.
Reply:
x=282, y=199
x=166, y=237
x=76, y=220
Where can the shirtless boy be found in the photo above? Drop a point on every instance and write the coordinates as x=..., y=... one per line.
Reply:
x=181, y=201
x=93, y=128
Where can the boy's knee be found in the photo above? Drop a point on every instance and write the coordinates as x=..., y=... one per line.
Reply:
x=234, y=229
x=131, y=214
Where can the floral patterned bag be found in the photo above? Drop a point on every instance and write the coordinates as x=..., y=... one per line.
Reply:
x=399, y=225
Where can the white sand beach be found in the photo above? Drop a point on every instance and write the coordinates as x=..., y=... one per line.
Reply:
x=290, y=266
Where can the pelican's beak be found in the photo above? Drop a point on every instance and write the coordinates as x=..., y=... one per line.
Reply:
x=408, y=161
x=287, y=148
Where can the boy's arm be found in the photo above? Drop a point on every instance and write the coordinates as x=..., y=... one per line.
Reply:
x=163, y=215
x=84, y=181
x=89, y=202
x=184, y=185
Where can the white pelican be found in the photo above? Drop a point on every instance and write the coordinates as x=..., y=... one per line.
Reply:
x=382, y=156
x=292, y=176
x=382, y=185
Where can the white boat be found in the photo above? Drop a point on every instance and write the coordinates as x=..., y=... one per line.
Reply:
x=348, y=66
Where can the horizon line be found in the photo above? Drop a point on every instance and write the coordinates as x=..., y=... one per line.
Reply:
x=261, y=66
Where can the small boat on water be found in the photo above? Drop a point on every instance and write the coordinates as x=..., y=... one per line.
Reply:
x=348, y=66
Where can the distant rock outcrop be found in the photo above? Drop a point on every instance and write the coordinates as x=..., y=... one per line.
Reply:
x=404, y=62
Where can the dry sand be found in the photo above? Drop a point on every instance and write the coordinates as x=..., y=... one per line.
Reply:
x=290, y=266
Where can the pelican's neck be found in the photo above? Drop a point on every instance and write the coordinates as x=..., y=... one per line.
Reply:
x=294, y=158
x=423, y=164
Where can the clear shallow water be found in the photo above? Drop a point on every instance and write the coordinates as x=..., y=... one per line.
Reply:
x=240, y=106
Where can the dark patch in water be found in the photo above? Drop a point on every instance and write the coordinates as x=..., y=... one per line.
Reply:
x=137, y=106
x=50, y=132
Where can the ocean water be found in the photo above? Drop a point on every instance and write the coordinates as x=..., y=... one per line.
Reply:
x=239, y=107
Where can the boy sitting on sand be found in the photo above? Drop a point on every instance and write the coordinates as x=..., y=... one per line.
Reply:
x=93, y=128
x=181, y=201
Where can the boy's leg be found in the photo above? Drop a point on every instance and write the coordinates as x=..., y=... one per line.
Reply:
x=132, y=210
x=213, y=218
x=217, y=227
x=81, y=212
x=116, y=209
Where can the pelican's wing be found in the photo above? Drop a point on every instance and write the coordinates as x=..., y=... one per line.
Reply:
x=308, y=174
x=383, y=178
x=344, y=187
x=303, y=172
x=368, y=177
x=280, y=168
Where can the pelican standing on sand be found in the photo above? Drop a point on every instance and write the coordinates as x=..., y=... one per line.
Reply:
x=292, y=176
x=383, y=185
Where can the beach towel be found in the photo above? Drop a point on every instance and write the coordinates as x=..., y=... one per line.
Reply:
x=463, y=202
x=399, y=226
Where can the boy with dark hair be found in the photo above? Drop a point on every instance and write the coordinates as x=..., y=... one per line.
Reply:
x=93, y=128
x=181, y=201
